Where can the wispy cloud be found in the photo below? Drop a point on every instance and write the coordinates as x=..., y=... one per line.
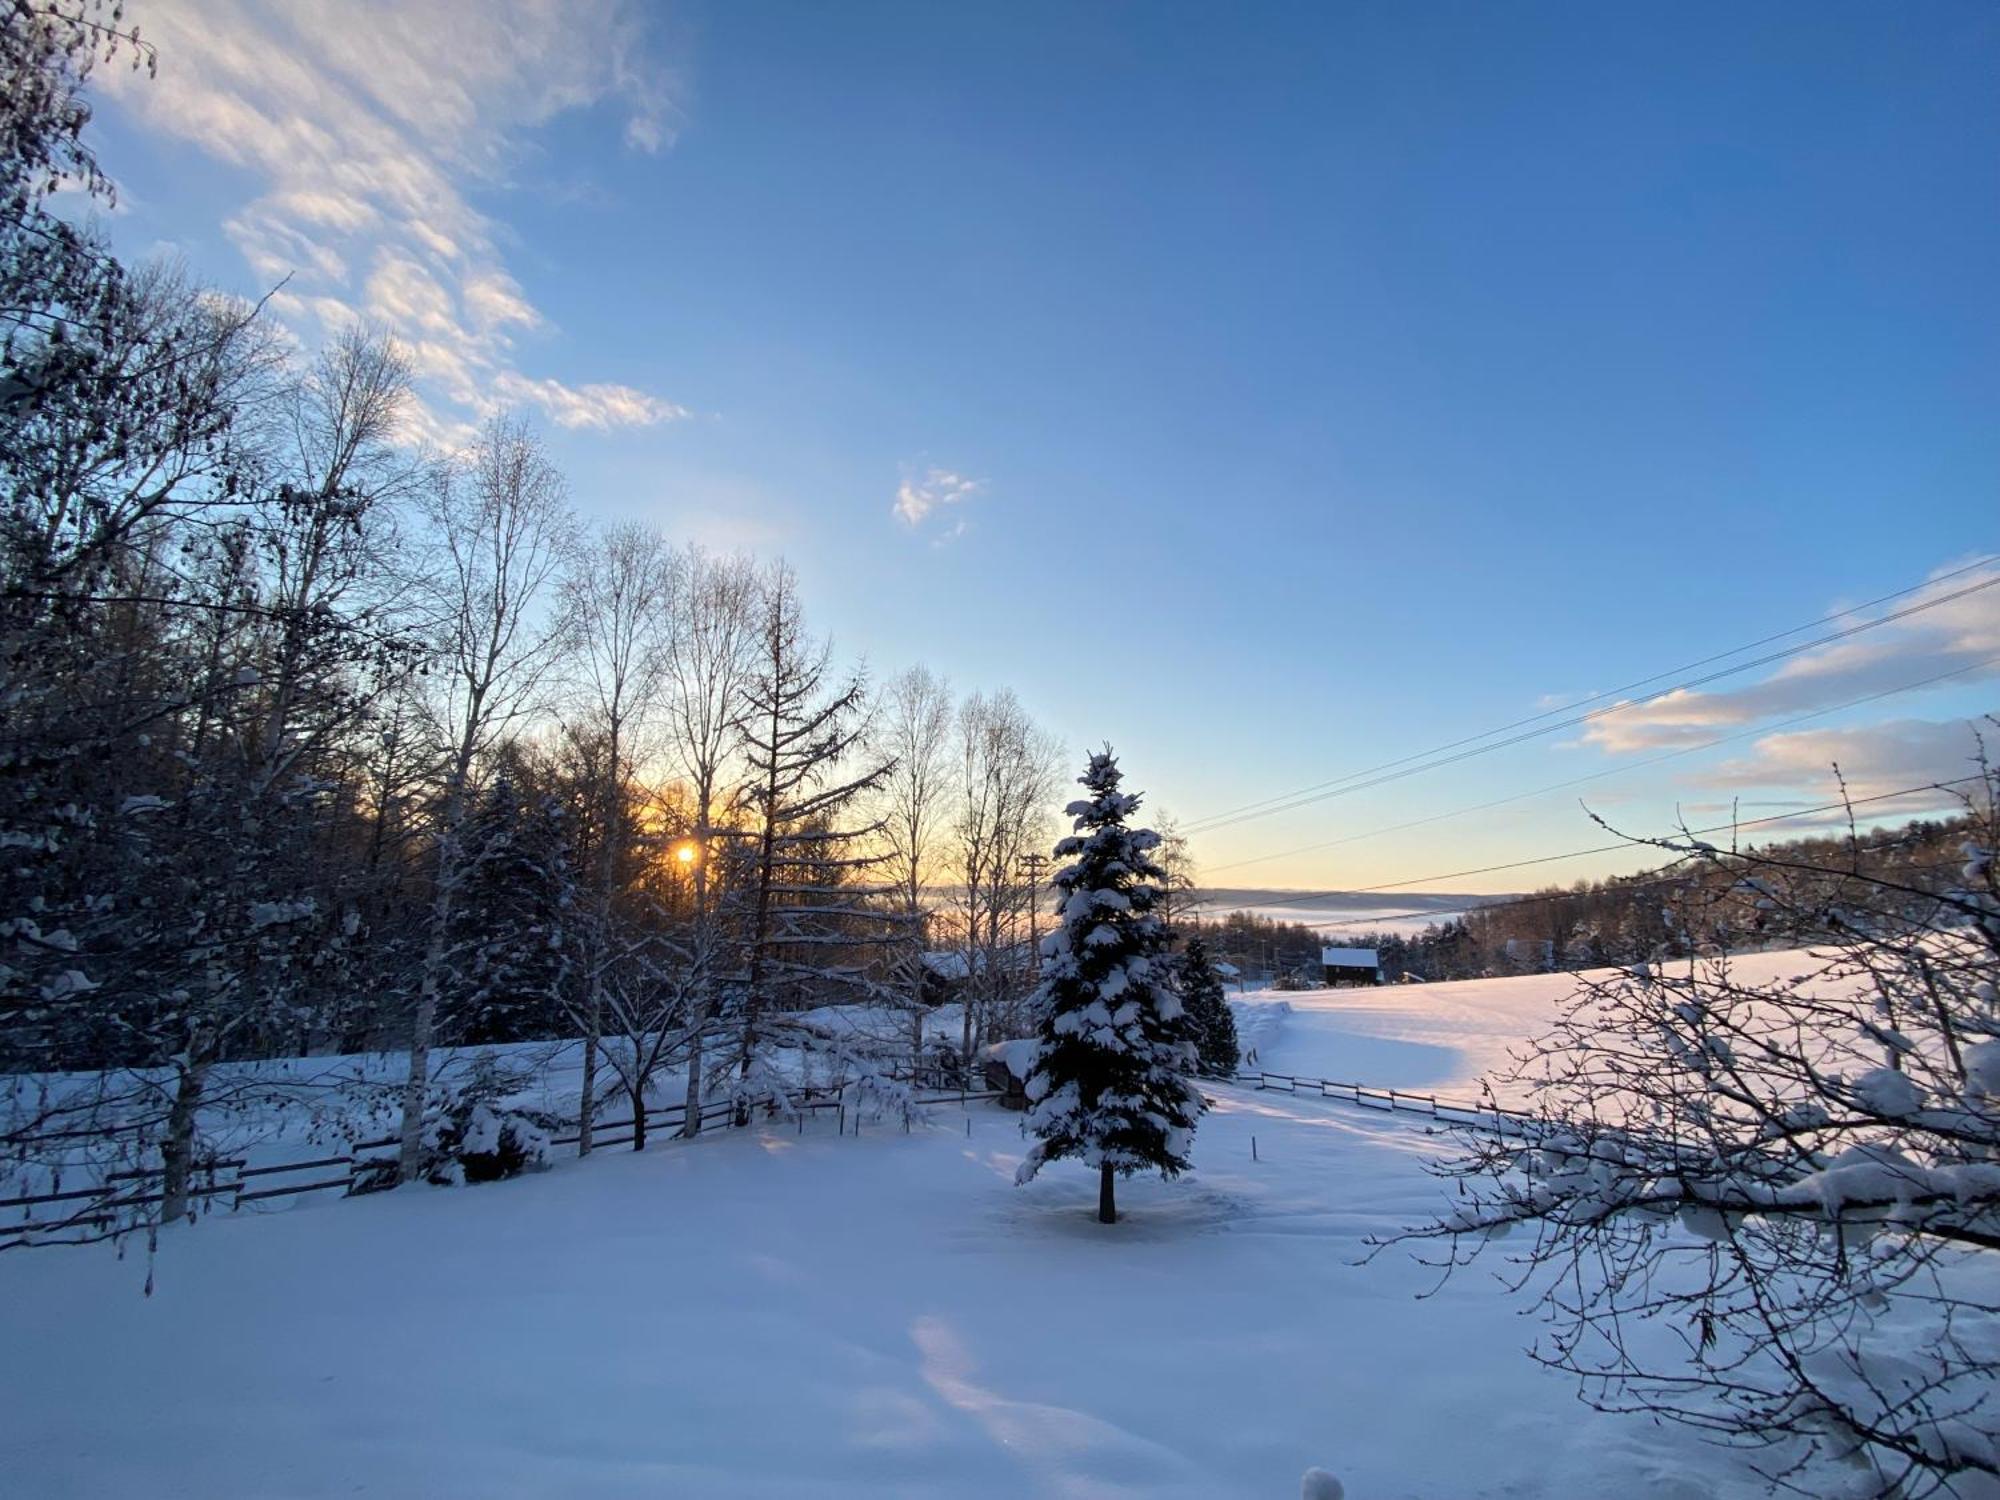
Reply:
x=1873, y=760
x=364, y=125
x=1956, y=635
x=922, y=496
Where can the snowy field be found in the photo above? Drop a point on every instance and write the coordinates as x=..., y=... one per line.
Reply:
x=774, y=1313
x=1436, y=1038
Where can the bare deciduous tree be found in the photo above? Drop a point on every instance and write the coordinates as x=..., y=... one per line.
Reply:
x=1796, y=1177
x=619, y=596
x=1008, y=773
x=913, y=733
x=497, y=522
x=708, y=666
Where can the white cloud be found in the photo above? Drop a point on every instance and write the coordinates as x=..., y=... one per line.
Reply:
x=1956, y=635
x=599, y=405
x=918, y=497
x=1873, y=759
x=365, y=124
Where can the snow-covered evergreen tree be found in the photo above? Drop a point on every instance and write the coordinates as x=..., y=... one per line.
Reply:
x=1213, y=1027
x=510, y=924
x=1111, y=1083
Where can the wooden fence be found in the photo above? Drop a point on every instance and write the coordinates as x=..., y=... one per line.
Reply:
x=116, y=1202
x=1448, y=1111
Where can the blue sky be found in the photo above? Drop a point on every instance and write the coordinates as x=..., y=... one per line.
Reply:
x=1274, y=390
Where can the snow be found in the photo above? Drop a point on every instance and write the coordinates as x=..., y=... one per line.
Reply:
x=1017, y=1056
x=1436, y=1037
x=1982, y=1069
x=781, y=1310
x=766, y=1312
x=1888, y=1093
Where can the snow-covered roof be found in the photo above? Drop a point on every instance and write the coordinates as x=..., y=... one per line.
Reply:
x=1349, y=958
x=1227, y=971
x=953, y=963
x=1017, y=1055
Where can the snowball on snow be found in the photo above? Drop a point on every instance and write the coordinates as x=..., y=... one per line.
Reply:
x=1317, y=1484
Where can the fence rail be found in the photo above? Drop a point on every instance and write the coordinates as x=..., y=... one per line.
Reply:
x=106, y=1208
x=1367, y=1096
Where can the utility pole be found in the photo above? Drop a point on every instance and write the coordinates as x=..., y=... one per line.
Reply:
x=1032, y=866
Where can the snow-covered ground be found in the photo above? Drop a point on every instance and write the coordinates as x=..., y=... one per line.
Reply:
x=1439, y=1038
x=774, y=1313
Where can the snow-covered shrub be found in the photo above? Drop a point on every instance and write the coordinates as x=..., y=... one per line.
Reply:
x=482, y=1143
x=476, y=1135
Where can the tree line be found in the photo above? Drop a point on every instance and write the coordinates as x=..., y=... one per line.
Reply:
x=1674, y=910
x=316, y=740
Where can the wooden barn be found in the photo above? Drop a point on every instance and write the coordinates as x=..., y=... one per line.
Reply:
x=1350, y=966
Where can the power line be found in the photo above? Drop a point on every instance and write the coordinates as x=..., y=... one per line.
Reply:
x=1544, y=859
x=1753, y=732
x=1436, y=757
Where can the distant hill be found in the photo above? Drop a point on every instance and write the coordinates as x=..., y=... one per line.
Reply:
x=1338, y=913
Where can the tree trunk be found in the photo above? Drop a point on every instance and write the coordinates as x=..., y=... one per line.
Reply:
x=587, y=1108
x=691, y=1103
x=1107, y=1208
x=177, y=1150
x=639, y=1119
x=410, y=1159
x=691, y=1111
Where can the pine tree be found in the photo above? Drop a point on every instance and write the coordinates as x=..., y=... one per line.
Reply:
x=1208, y=1014
x=510, y=925
x=1111, y=1081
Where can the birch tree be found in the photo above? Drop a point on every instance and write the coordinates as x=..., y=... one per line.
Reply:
x=913, y=733
x=620, y=600
x=708, y=659
x=497, y=522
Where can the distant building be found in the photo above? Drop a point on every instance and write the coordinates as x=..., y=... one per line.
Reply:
x=1350, y=966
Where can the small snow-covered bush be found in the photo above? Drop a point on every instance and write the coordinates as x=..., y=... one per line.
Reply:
x=480, y=1142
x=473, y=1134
